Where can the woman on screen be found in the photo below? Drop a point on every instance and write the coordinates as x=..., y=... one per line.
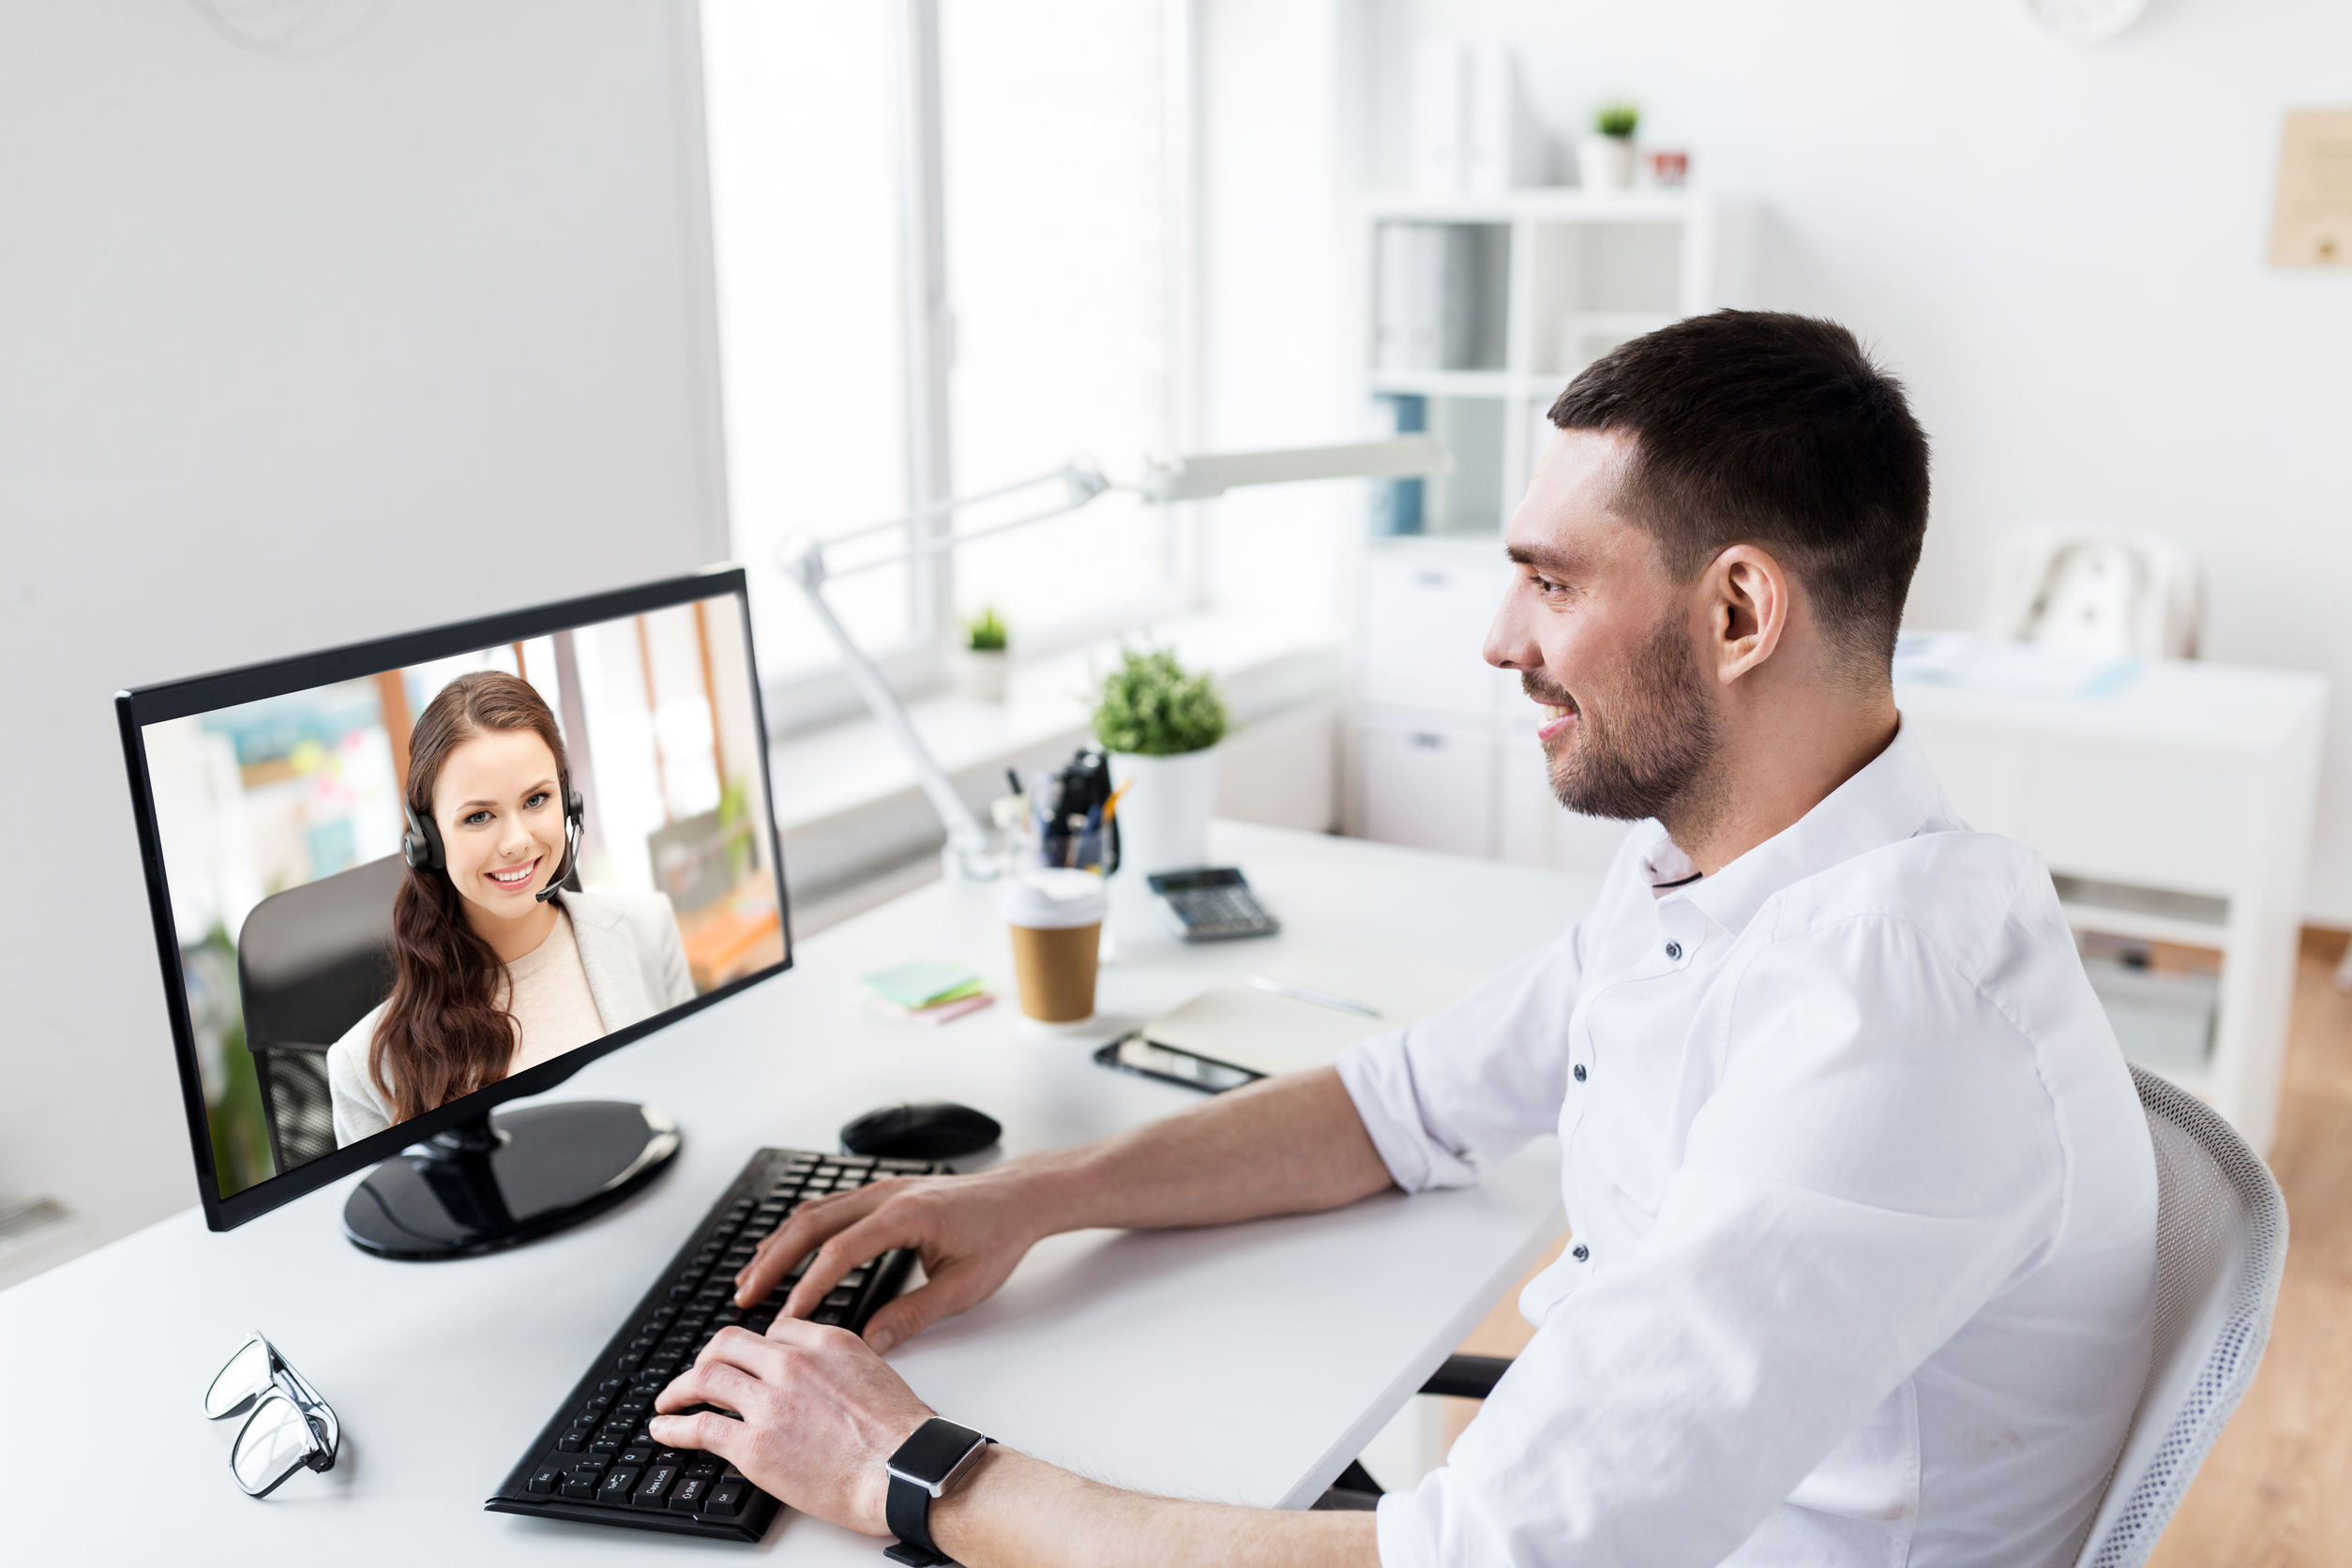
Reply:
x=496, y=969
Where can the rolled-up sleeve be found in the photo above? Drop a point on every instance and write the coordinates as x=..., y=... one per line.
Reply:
x=1863, y=1180
x=1479, y=1080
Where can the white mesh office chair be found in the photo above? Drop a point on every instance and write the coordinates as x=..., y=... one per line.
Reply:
x=2220, y=1244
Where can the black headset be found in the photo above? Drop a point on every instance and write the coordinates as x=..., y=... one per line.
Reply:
x=420, y=843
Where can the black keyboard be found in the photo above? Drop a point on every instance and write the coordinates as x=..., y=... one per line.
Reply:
x=594, y=1462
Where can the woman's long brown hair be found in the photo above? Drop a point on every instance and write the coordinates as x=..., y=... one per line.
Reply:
x=444, y=1033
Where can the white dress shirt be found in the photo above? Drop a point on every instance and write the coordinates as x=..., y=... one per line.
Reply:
x=1862, y=1205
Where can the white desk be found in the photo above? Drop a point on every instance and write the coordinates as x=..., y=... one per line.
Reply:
x=1247, y=1363
x=2179, y=810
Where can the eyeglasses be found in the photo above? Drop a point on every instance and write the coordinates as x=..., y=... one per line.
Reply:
x=291, y=1428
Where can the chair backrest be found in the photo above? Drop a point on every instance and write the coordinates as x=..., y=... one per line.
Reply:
x=311, y=962
x=2221, y=1245
x=2106, y=596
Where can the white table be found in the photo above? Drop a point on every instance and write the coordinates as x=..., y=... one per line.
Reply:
x=2179, y=810
x=1246, y=1363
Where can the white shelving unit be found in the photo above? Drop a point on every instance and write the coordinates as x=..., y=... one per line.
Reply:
x=1442, y=753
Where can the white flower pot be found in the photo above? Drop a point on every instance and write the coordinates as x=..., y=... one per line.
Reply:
x=979, y=675
x=1164, y=816
x=1606, y=162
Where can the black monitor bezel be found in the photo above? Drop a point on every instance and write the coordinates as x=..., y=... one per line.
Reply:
x=171, y=699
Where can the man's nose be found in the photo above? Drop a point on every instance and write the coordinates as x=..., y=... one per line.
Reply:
x=1508, y=646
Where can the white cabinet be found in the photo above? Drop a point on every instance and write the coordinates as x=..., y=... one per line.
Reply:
x=1541, y=283
x=1428, y=785
x=1422, y=632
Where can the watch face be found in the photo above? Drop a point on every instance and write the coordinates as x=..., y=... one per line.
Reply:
x=933, y=1451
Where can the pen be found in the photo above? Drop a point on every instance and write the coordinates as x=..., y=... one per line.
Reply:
x=1320, y=999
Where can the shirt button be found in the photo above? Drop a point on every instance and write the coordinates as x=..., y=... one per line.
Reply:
x=1580, y=1252
x=1673, y=950
x=1579, y=1072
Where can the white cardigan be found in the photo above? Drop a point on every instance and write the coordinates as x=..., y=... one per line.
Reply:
x=636, y=966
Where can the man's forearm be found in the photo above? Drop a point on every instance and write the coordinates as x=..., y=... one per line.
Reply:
x=1290, y=1145
x=1015, y=1511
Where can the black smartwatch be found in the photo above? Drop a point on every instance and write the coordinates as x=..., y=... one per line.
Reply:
x=924, y=1466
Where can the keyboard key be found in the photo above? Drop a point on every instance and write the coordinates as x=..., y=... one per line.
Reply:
x=689, y=1493
x=545, y=1479
x=616, y=1485
x=638, y=1453
x=572, y=1443
x=704, y=1466
x=653, y=1491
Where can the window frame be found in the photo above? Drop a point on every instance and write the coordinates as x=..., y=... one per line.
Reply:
x=821, y=695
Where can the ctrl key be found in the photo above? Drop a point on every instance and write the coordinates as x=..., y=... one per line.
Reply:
x=728, y=1498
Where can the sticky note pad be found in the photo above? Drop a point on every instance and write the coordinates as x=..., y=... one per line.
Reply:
x=922, y=983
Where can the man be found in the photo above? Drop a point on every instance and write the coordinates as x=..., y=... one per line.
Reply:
x=1862, y=1202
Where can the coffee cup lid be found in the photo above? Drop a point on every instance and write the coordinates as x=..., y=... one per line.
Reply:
x=1051, y=898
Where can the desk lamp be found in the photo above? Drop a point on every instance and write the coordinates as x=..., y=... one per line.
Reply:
x=1198, y=477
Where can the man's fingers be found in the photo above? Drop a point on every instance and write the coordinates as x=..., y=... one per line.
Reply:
x=948, y=1293
x=799, y=1235
x=710, y=1432
x=709, y=1383
x=862, y=1243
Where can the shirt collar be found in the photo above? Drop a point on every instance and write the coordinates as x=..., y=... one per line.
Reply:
x=1893, y=797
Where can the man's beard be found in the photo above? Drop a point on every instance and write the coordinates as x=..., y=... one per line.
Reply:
x=1652, y=753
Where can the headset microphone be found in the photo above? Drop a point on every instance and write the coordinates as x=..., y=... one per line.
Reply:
x=573, y=810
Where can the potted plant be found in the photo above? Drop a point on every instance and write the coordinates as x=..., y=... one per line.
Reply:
x=1605, y=160
x=981, y=662
x=1161, y=723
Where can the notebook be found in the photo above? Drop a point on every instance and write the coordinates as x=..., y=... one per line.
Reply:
x=1271, y=1033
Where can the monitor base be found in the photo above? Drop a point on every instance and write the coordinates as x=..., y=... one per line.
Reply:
x=508, y=1178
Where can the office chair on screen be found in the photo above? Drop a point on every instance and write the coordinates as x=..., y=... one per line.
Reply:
x=2221, y=1247
x=310, y=963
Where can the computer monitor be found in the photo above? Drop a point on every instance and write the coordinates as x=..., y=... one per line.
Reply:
x=400, y=883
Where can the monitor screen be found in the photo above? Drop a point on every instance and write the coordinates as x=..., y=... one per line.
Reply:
x=451, y=865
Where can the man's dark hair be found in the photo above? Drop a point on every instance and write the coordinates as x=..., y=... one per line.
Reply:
x=1761, y=428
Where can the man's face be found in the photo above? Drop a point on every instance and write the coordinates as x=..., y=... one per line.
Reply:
x=1602, y=638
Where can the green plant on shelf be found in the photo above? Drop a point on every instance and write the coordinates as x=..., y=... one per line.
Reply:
x=1618, y=120
x=1153, y=706
x=986, y=635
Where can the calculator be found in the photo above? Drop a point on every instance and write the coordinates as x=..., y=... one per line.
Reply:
x=1212, y=904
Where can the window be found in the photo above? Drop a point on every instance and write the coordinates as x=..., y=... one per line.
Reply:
x=1054, y=118
x=804, y=151
x=1059, y=218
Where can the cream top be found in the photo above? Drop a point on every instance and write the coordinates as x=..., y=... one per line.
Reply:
x=547, y=991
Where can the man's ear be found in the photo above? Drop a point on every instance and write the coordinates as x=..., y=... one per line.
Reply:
x=1748, y=597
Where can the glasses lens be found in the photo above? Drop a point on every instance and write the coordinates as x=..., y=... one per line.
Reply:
x=247, y=1374
x=275, y=1443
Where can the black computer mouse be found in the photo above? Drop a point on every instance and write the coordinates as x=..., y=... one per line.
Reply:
x=938, y=1131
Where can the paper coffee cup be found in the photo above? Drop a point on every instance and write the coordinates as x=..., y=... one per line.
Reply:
x=1055, y=918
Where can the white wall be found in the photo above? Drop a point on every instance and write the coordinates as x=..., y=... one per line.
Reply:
x=2059, y=250
x=297, y=352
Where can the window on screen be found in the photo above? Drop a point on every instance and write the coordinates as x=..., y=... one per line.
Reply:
x=338, y=989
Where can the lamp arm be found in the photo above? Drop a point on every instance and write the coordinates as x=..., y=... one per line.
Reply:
x=967, y=850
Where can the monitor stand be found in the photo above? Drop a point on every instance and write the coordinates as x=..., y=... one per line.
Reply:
x=499, y=1180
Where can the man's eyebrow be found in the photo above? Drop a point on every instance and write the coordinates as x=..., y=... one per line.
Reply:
x=1560, y=561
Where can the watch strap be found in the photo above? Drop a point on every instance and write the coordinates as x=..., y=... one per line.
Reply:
x=907, y=1505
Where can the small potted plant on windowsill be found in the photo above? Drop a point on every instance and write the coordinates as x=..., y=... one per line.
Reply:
x=1605, y=160
x=982, y=661
x=1161, y=723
